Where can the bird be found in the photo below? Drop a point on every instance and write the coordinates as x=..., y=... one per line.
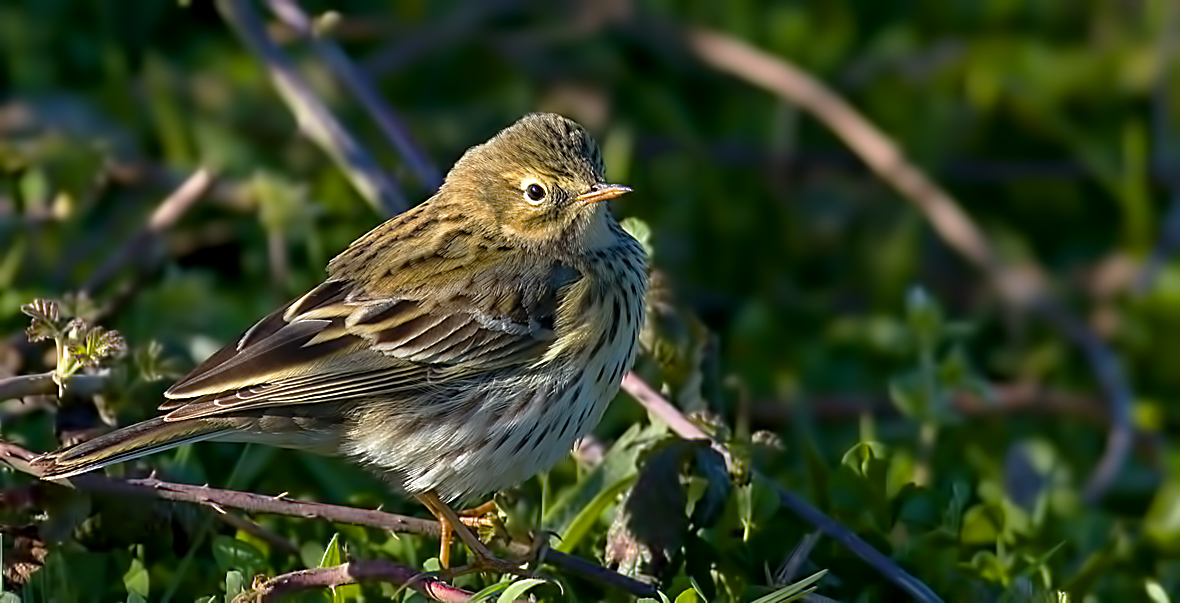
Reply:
x=456, y=350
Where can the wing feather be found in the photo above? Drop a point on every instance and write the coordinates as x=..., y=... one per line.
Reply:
x=340, y=341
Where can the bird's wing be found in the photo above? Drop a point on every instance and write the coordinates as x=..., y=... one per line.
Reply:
x=340, y=342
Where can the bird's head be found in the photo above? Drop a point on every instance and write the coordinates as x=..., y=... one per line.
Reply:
x=540, y=183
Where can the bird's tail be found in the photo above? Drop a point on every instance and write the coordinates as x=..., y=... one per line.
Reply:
x=132, y=442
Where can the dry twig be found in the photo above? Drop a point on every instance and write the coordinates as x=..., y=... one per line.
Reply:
x=371, y=570
x=167, y=214
x=391, y=125
x=314, y=118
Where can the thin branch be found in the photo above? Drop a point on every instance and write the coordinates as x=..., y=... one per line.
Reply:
x=165, y=217
x=371, y=570
x=1108, y=371
x=390, y=124
x=375, y=185
x=666, y=412
x=734, y=56
x=42, y=384
x=255, y=503
x=19, y=459
x=1021, y=286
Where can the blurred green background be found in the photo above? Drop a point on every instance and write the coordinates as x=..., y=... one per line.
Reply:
x=785, y=267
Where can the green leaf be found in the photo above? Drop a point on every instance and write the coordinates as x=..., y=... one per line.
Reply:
x=795, y=591
x=865, y=459
x=45, y=320
x=491, y=590
x=909, y=394
x=334, y=555
x=688, y=596
x=1162, y=523
x=235, y=583
x=584, y=521
x=519, y=588
x=618, y=464
x=136, y=579
x=1156, y=592
x=982, y=525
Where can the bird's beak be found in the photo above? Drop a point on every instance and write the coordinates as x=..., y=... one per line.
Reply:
x=602, y=192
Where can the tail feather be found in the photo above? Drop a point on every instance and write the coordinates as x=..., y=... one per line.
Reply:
x=132, y=442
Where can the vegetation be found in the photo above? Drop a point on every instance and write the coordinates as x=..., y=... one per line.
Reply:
x=960, y=353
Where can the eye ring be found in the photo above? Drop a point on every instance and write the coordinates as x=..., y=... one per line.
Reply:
x=534, y=193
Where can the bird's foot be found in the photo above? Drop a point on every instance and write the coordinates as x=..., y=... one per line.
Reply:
x=485, y=561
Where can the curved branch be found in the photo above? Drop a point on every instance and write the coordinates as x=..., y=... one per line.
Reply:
x=1021, y=286
x=166, y=215
x=370, y=570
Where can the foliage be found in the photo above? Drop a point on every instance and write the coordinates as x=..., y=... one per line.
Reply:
x=952, y=432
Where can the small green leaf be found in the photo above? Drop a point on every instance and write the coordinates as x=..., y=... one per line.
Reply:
x=334, y=555
x=491, y=590
x=136, y=579
x=1156, y=592
x=235, y=582
x=584, y=521
x=909, y=394
x=46, y=317
x=795, y=591
x=982, y=525
x=864, y=459
x=688, y=596
x=519, y=588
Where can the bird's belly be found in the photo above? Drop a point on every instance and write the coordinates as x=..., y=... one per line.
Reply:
x=495, y=436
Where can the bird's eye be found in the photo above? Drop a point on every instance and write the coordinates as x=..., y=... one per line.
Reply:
x=535, y=192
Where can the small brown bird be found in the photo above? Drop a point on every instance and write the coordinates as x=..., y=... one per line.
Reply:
x=457, y=349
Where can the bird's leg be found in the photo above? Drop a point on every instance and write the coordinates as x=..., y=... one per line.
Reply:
x=484, y=559
x=444, y=543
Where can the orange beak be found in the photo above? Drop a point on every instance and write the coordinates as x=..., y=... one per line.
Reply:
x=602, y=192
